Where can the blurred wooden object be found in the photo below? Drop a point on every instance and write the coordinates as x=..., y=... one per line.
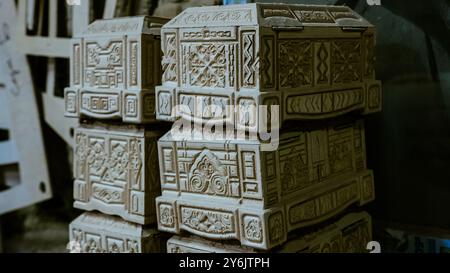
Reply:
x=22, y=120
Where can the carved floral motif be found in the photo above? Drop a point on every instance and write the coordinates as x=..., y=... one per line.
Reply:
x=210, y=222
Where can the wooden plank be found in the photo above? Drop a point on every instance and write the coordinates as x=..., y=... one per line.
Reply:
x=8, y=153
x=53, y=19
x=110, y=8
x=25, y=127
x=54, y=116
x=31, y=5
x=45, y=46
x=80, y=17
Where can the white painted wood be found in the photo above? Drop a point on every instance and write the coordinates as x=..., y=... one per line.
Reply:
x=80, y=17
x=8, y=153
x=110, y=8
x=45, y=46
x=31, y=4
x=25, y=127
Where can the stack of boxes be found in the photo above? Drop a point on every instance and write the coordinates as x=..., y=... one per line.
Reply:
x=258, y=187
x=114, y=67
x=271, y=155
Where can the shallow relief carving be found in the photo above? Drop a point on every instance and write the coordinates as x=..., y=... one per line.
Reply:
x=312, y=74
x=114, y=67
x=233, y=190
x=99, y=233
x=349, y=234
x=116, y=171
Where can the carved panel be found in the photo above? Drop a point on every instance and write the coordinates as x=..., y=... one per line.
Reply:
x=208, y=64
x=267, y=65
x=113, y=167
x=313, y=14
x=167, y=215
x=104, y=65
x=281, y=51
x=349, y=234
x=295, y=63
x=346, y=61
x=249, y=59
x=303, y=159
x=262, y=228
x=207, y=175
x=369, y=62
x=110, y=60
x=252, y=227
x=99, y=233
x=326, y=104
x=169, y=61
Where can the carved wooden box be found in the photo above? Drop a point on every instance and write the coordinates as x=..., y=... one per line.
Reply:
x=234, y=190
x=99, y=233
x=314, y=62
x=116, y=171
x=350, y=234
x=114, y=67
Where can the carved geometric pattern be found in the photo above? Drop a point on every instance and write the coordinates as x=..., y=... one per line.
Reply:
x=206, y=64
x=295, y=63
x=104, y=65
x=294, y=165
x=247, y=112
x=268, y=62
x=169, y=60
x=313, y=15
x=346, y=61
x=322, y=66
x=341, y=154
x=325, y=103
x=101, y=233
x=250, y=61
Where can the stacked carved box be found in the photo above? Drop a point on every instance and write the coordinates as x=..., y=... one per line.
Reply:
x=222, y=65
x=114, y=67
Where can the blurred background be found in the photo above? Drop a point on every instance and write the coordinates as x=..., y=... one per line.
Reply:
x=408, y=143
